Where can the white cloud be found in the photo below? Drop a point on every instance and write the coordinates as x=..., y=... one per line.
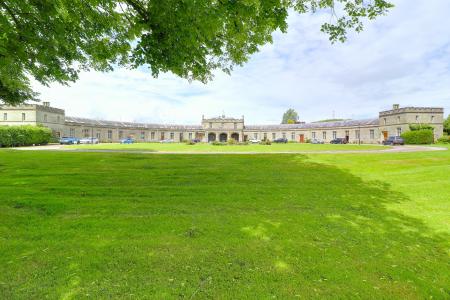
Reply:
x=403, y=58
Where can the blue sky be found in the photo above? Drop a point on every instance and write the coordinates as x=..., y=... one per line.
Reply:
x=403, y=57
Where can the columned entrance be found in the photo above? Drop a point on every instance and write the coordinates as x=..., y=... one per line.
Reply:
x=211, y=137
x=223, y=137
x=235, y=136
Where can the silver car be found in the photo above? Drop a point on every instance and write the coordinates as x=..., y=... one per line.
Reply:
x=316, y=141
x=89, y=140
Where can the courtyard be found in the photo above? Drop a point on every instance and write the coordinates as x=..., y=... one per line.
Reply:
x=129, y=225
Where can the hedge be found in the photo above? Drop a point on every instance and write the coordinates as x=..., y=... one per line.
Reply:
x=418, y=137
x=444, y=140
x=13, y=136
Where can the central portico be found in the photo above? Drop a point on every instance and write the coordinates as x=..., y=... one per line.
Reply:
x=223, y=128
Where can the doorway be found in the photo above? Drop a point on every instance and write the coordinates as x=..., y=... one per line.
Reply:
x=385, y=135
x=223, y=137
x=302, y=138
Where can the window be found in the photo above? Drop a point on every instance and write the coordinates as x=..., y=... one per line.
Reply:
x=172, y=135
x=190, y=135
x=417, y=118
x=292, y=136
x=222, y=125
x=99, y=135
x=23, y=117
x=58, y=134
x=255, y=135
x=110, y=134
x=120, y=134
x=58, y=119
x=181, y=136
x=152, y=135
x=142, y=135
x=313, y=135
x=5, y=117
x=45, y=118
x=432, y=118
x=399, y=131
x=85, y=132
x=265, y=135
x=284, y=135
x=324, y=135
x=357, y=135
x=162, y=135
x=384, y=121
x=210, y=125
x=72, y=132
x=347, y=133
x=235, y=125
x=274, y=135
x=372, y=134
x=334, y=134
x=398, y=119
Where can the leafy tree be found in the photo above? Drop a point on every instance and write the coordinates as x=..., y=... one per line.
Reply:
x=447, y=125
x=290, y=117
x=52, y=40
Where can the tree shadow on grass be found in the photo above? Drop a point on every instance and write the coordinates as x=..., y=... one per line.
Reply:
x=225, y=226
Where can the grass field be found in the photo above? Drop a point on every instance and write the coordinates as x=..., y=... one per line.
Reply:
x=204, y=147
x=133, y=226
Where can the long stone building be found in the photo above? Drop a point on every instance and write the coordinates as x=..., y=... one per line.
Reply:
x=369, y=131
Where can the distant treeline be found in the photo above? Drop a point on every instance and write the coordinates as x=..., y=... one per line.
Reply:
x=13, y=136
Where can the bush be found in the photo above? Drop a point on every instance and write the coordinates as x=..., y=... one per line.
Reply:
x=308, y=141
x=232, y=142
x=418, y=137
x=217, y=143
x=190, y=142
x=416, y=127
x=266, y=142
x=13, y=136
x=444, y=140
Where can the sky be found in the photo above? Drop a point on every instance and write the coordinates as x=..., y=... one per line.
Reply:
x=403, y=57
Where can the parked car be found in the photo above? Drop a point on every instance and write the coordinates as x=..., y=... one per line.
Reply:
x=127, y=141
x=166, y=141
x=394, y=140
x=339, y=141
x=89, y=140
x=280, y=140
x=316, y=141
x=254, y=141
x=68, y=141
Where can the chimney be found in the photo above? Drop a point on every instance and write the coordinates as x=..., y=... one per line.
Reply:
x=47, y=104
x=395, y=106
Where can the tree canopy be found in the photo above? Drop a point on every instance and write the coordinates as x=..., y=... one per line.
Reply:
x=290, y=117
x=447, y=125
x=53, y=41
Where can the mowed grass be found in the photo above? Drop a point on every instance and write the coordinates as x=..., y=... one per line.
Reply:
x=205, y=147
x=133, y=226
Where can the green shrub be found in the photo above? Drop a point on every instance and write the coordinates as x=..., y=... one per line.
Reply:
x=424, y=136
x=217, y=143
x=308, y=141
x=232, y=142
x=13, y=136
x=444, y=140
x=266, y=142
x=190, y=142
x=416, y=127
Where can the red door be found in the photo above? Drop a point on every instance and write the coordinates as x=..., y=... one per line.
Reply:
x=302, y=138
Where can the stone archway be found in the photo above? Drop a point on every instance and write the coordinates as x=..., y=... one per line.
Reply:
x=223, y=137
x=235, y=136
x=211, y=137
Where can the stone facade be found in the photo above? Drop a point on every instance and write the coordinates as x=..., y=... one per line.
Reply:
x=368, y=131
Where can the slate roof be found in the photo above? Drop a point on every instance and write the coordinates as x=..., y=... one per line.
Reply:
x=346, y=123
x=131, y=125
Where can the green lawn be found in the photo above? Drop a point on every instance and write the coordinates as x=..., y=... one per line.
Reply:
x=205, y=147
x=132, y=226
